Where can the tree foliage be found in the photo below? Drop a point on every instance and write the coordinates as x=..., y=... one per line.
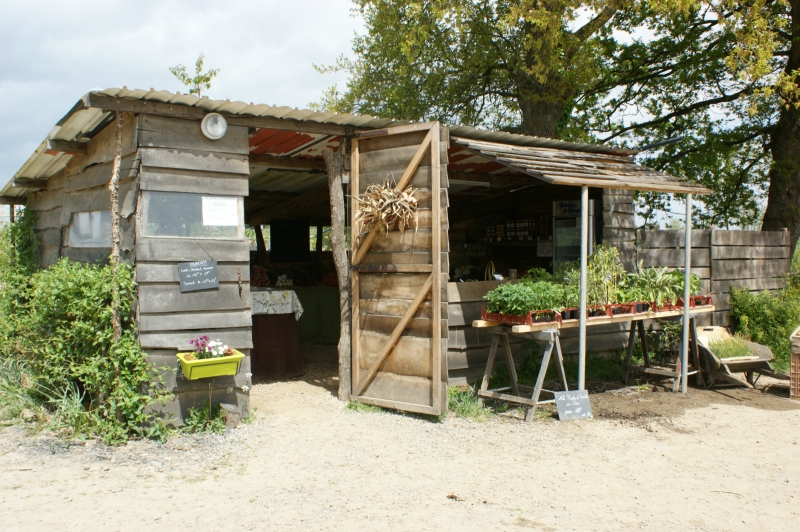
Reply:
x=722, y=73
x=200, y=82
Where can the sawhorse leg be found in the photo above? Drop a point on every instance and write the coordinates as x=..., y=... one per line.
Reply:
x=490, y=363
x=629, y=354
x=548, y=351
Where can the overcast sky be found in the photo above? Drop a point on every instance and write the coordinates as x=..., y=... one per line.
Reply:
x=52, y=53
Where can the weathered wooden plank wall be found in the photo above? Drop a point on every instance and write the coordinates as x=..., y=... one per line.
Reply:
x=618, y=224
x=82, y=186
x=177, y=157
x=754, y=260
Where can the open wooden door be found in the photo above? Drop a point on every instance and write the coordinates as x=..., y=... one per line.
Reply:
x=399, y=281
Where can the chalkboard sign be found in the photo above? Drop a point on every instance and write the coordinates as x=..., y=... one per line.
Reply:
x=198, y=275
x=573, y=405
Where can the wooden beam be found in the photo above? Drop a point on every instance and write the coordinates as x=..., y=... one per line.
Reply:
x=310, y=198
x=495, y=179
x=288, y=163
x=25, y=182
x=110, y=103
x=270, y=195
x=66, y=146
x=301, y=126
x=13, y=200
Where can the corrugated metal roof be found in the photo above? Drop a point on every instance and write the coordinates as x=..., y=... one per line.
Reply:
x=82, y=123
x=561, y=167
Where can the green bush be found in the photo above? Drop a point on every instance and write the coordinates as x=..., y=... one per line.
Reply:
x=57, y=325
x=768, y=318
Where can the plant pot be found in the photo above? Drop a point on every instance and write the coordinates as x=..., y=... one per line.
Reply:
x=543, y=316
x=619, y=309
x=700, y=301
x=570, y=314
x=664, y=307
x=596, y=311
x=641, y=307
x=210, y=367
x=530, y=317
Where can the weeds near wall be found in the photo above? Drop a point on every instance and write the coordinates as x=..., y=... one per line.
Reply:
x=204, y=419
x=768, y=318
x=60, y=365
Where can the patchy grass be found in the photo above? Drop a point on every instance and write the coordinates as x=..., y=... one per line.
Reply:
x=730, y=347
x=361, y=407
x=464, y=403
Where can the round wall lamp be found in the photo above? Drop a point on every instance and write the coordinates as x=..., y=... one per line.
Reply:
x=214, y=126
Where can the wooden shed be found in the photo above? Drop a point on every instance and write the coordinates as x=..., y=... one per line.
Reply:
x=484, y=197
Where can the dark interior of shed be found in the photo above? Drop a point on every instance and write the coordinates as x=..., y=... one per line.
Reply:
x=500, y=219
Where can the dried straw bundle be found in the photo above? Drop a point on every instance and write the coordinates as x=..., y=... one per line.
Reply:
x=385, y=206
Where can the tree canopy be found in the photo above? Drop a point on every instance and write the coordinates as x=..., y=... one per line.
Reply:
x=722, y=73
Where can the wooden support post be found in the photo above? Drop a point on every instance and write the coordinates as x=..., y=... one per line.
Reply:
x=629, y=353
x=261, y=246
x=11, y=213
x=115, y=236
x=696, y=352
x=335, y=162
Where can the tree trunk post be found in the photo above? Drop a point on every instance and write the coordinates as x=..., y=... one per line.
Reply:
x=115, y=238
x=334, y=161
x=261, y=246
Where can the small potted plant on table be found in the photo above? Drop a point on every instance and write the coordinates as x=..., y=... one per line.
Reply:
x=209, y=359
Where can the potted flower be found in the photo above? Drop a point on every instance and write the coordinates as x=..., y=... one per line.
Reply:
x=209, y=359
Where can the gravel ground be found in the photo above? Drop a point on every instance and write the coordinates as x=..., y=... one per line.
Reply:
x=309, y=463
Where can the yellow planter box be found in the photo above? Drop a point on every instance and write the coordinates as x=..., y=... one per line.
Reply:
x=210, y=367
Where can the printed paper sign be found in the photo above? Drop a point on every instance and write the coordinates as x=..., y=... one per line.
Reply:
x=220, y=211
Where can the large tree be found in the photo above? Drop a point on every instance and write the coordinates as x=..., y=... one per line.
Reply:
x=723, y=74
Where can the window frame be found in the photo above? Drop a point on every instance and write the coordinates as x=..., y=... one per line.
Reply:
x=144, y=202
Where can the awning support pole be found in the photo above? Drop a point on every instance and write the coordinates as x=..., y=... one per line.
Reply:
x=686, y=295
x=584, y=256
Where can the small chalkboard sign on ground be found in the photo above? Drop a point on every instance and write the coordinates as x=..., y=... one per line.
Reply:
x=201, y=275
x=573, y=405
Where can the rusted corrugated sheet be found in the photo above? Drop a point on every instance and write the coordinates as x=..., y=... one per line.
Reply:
x=573, y=168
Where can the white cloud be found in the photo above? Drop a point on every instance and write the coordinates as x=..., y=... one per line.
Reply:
x=51, y=53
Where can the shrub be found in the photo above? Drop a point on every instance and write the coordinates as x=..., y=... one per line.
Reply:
x=768, y=318
x=57, y=326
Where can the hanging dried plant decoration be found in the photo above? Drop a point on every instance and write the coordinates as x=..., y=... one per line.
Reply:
x=386, y=207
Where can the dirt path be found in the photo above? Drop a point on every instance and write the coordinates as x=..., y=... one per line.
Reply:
x=308, y=463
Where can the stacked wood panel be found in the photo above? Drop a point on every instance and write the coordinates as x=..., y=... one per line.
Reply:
x=176, y=157
x=407, y=378
x=755, y=260
x=82, y=186
x=619, y=223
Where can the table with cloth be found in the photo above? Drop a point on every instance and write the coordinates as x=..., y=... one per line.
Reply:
x=276, y=350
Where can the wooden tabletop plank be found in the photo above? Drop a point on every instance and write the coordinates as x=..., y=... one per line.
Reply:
x=572, y=324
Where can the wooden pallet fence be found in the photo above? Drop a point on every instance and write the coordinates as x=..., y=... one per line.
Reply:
x=755, y=260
